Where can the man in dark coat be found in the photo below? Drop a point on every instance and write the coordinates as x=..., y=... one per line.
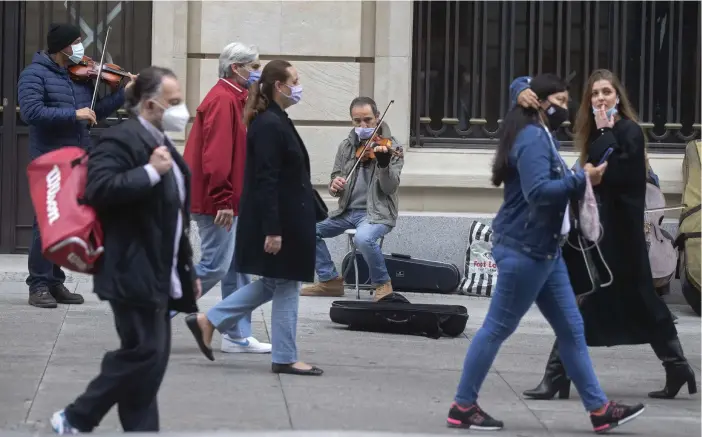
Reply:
x=139, y=185
x=57, y=110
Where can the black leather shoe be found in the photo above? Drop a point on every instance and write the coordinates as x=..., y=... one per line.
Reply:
x=62, y=295
x=41, y=298
x=290, y=370
x=678, y=371
x=191, y=322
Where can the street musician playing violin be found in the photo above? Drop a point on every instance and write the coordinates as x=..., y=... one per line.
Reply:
x=58, y=111
x=367, y=200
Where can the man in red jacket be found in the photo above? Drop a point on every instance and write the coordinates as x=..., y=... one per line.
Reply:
x=216, y=154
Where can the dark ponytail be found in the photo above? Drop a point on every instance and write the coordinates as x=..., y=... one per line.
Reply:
x=517, y=119
x=261, y=92
x=146, y=86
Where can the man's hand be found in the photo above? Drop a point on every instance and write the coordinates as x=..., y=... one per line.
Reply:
x=197, y=288
x=86, y=114
x=528, y=99
x=132, y=79
x=161, y=160
x=273, y=244
x=225, y=218
x=382, y=155
x=338, y=184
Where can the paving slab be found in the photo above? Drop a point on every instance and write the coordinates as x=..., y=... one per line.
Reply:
x=375, y=385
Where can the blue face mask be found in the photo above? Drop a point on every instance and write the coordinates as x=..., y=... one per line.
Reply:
x=364, y=132
x=254, y=75
x=610, y=112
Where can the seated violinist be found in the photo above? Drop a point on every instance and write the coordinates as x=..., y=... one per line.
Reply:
x=367, y=201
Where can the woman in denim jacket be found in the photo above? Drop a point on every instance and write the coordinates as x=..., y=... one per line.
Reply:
x=629, y=311
x=528, y=232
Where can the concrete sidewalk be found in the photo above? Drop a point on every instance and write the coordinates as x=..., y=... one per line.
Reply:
x=373, y=383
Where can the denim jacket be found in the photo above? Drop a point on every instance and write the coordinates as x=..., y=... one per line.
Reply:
x=536, y=194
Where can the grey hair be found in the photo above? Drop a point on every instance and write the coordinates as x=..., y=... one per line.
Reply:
x=236, y=53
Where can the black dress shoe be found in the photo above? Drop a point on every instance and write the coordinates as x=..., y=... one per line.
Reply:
x=41, y=298
x=191, y=322
x=63, y=295
x=290, y=370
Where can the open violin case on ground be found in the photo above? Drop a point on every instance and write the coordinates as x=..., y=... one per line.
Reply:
x=394, y=314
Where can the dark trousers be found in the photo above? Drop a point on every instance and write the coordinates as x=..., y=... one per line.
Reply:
x=129, y=376
x=41, y=270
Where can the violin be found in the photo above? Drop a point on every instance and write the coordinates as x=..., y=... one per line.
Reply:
x=365, y=151
x=87, y=69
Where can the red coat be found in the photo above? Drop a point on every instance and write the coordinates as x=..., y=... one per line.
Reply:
x=216, y=149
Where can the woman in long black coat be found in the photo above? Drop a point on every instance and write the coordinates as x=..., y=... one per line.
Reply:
x=278, y=212
x=629, y=311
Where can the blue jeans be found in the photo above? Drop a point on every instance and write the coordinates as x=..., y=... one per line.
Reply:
x=41, y=270
x=366, y=240
x=285, y=295
x=521, y=281
x=217, y=263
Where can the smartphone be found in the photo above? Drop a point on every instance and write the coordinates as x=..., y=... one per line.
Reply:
x=606, y=155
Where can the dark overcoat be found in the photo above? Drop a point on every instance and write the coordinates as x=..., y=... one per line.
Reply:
x=277, y=199
x=139, y=221
x=629, y=311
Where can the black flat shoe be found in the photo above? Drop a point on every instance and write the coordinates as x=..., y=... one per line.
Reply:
x=290, y=370
x=191, y=322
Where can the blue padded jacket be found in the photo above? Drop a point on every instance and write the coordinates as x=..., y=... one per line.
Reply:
x=48, y=101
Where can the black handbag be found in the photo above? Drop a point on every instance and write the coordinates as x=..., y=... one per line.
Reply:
x=321, y=212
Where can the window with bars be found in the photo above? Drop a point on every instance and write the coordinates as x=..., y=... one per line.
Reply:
x=465, y=55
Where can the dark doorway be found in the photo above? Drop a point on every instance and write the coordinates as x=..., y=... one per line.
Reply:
x=23, y=27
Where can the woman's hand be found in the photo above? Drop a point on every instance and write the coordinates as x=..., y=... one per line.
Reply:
x=528, y=99
x=601, y=119
x=272, y=244
x=595, y=173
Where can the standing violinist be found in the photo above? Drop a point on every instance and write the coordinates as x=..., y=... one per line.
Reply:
x=367, y=202
x=58, y=113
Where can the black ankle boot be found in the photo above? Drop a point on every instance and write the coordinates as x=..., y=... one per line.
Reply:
x=678, y=371
x=554, y=381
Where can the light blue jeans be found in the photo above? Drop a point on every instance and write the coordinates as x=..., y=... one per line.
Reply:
x=218, y=264
x=523, y=280
x=285, y=295
x=366, y=240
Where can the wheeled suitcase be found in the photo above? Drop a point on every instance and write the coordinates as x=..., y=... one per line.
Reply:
x=407, y=274
x=394, y=314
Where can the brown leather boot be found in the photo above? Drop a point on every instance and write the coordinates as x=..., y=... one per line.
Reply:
x=331, y=288
x=382, y=291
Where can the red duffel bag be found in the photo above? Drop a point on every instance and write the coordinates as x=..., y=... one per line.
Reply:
x=71, y=235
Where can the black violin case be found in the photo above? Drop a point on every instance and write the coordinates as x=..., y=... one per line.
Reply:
x=407, y=274
x=394, y=314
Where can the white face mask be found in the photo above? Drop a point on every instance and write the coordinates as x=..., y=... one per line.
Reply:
x=78, y=52
x=175, y=118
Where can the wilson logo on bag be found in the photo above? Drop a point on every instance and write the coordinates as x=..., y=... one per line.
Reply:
x=71, y=235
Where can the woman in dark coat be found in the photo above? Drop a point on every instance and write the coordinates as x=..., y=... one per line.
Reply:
x=278, y=211
x=629, y=311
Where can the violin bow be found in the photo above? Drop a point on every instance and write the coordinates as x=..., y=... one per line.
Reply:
x=102, y=58
x=375, y=131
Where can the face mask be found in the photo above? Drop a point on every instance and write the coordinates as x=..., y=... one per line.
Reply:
x=610, y=112
x=295, y=93
x=254, y=75
x=175, y=118
x=78, y=52
x=556, y=115
x=364, y=132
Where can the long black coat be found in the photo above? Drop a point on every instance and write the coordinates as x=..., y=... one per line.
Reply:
x=139, y=221
x=277, y=199
x=629, y=311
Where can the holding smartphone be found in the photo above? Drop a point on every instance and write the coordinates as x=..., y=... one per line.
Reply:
x=606, y=155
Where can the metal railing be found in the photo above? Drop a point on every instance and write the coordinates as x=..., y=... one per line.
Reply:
x=466, y=54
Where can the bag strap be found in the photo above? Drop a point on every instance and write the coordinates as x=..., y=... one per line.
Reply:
x=689, y=212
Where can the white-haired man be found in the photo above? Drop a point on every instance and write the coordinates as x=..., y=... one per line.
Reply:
x=216, y=154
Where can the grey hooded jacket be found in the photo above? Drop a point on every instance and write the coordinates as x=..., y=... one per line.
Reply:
x=382, y=202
